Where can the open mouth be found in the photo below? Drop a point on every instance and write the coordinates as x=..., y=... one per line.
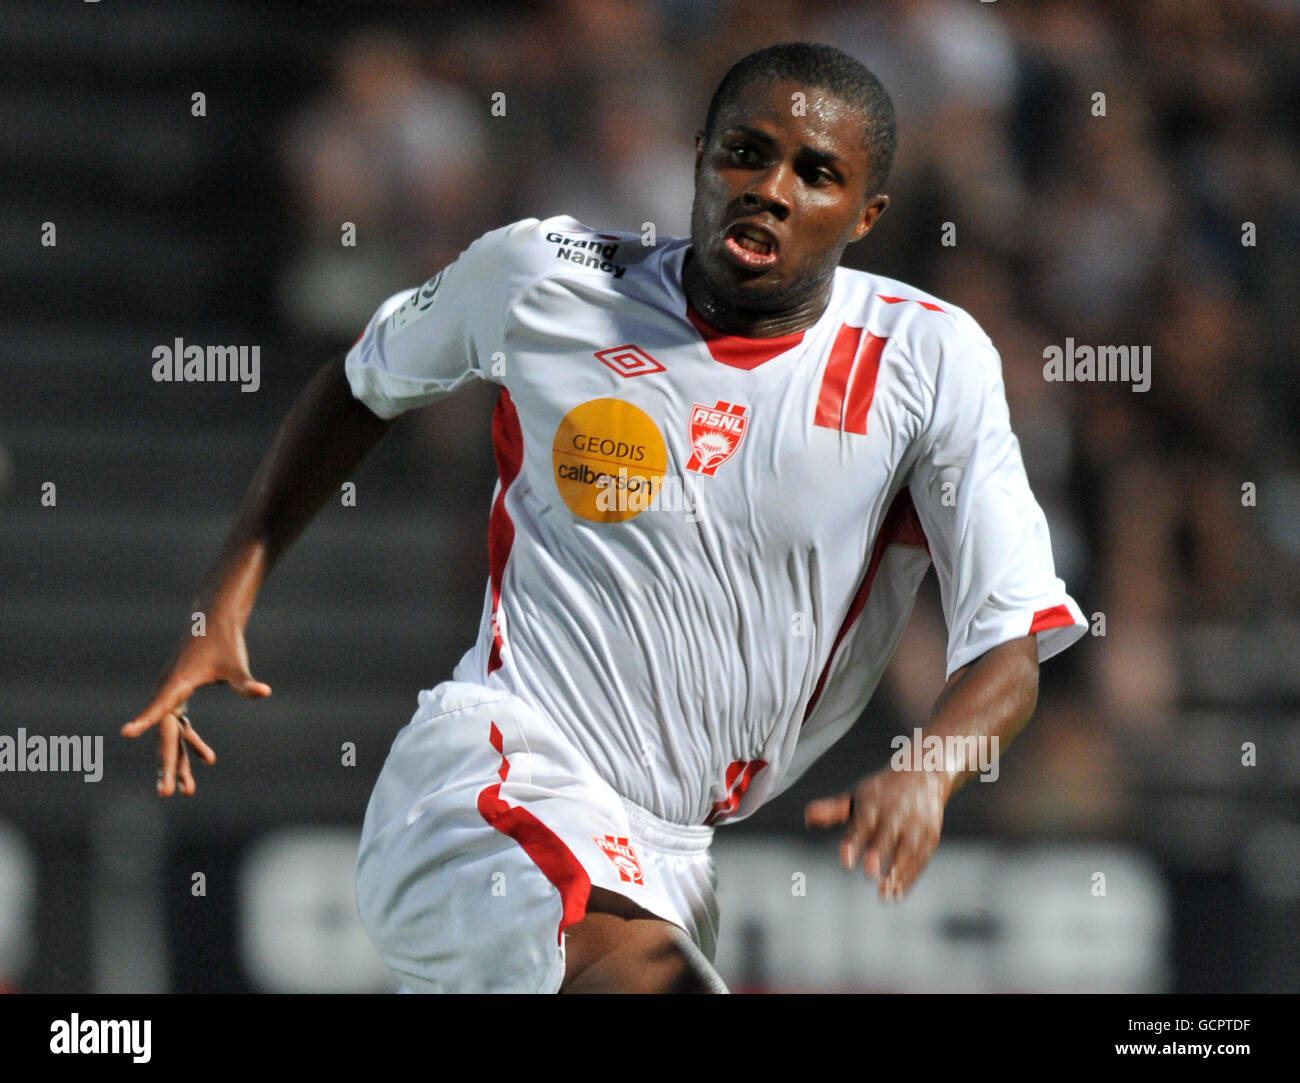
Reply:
x=751, y=245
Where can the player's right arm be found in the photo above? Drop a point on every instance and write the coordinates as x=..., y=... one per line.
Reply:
x=420, y=346
x=324, y=438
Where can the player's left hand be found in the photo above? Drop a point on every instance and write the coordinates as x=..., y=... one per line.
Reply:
x=894, y=819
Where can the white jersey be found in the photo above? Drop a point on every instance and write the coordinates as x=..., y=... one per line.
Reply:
x=704, y=548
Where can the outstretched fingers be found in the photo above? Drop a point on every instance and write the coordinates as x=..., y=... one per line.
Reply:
x=827, y=811
x=892, y=823
x=249, y=688
x=196, y=742
x=862, y=837
x=866, y=837
x=910, y=856
x=184, y=776
x=170, y=699
x=879, y=851
x=169, y=750
x=175, y=769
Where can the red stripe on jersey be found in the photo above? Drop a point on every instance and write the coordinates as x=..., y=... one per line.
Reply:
x=830, y=401
x=901, y=527
x=546, y=849
x=740, y=352
x=863, y=388
x=897, y=300
x=738, y=777
x=508, y=444
x=1058, y=616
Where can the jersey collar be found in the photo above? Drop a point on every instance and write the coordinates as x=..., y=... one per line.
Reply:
x=738, y=351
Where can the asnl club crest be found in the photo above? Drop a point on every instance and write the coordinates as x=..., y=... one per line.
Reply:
x=619, y=850
x=715, y=433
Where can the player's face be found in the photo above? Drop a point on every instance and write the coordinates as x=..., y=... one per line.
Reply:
x=780, y=190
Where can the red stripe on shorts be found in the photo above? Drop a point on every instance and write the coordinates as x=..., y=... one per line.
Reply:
x=544, y=846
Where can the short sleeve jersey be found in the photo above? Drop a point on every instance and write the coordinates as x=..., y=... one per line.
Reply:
x=703, y=549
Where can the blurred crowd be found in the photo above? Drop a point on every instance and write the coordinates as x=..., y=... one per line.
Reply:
x=1116, y=173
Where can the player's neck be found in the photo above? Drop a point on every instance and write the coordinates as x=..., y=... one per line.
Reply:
x=748, y=323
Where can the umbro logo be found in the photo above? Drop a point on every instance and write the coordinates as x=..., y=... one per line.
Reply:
x=629, y=360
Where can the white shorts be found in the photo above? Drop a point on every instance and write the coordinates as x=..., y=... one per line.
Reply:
x=486, y=832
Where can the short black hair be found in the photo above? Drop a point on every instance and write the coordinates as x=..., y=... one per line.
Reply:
x=830, y=69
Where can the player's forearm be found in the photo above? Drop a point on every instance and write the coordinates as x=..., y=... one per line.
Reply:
x=990, y=700
x=323, y=439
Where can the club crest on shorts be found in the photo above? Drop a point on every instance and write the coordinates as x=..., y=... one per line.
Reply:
x=715, y=433
x=619, y=851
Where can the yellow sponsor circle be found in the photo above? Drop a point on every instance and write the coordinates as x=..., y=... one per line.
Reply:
x=609, y=460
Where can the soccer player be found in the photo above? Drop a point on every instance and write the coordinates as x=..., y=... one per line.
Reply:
x=725, y=465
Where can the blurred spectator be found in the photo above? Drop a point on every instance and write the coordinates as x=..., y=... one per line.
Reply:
x=398, y=154
x=633, y=165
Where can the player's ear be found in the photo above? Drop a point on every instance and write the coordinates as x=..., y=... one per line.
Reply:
x=871, y=212
x=699, y=148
